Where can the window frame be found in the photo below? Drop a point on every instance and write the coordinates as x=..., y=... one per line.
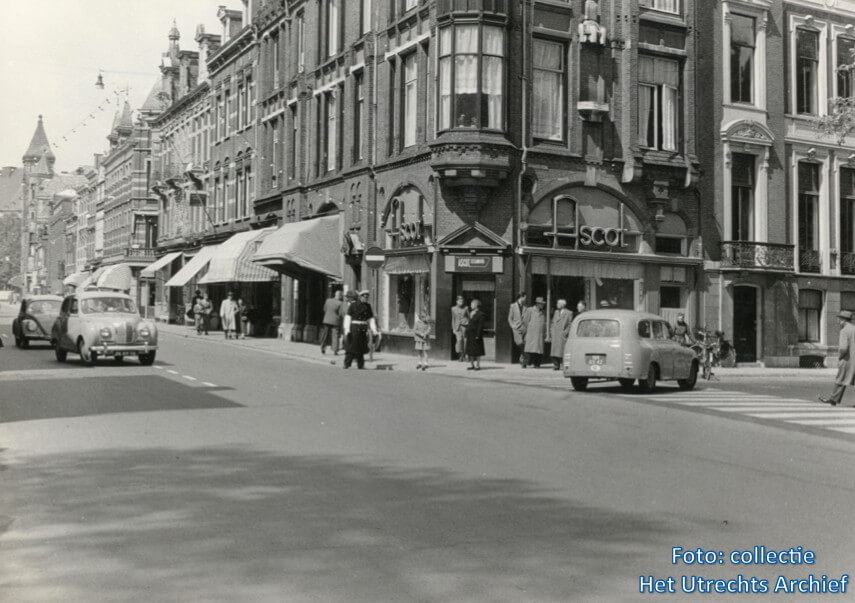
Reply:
x=800, y=91
x=409, y=99
x=657, y=104
x=844, y=79
x=737, y=211
x=657, y=6
x=847, y=243
x=562, y=84
x=735, y=77
x=810, y=316
x=808, y=199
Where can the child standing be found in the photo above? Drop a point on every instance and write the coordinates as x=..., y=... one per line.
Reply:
x=421, y=335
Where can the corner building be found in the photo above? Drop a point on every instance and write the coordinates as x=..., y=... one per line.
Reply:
x=485, y=147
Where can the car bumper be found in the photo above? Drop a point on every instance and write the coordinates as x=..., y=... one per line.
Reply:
x=123, y=349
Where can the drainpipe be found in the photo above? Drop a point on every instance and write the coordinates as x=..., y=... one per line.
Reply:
x=524, y=133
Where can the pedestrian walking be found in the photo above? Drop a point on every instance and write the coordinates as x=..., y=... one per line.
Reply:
x=559, y=331
x=243, y=318
x=227, y=315
x=534, y=323
x=682, y=332
x=421, y=337
x=515, y=320
x=330, y=326
x=204, y=313
x=358, y=323
x=845, y=362
x=198, y=318
x=459, y=320
x=475, y=335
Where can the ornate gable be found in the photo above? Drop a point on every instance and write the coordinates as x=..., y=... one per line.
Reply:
x=474, y=236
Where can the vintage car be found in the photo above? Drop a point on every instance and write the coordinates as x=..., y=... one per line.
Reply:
x=96, y=323
x=35, y=319
x=626, y=345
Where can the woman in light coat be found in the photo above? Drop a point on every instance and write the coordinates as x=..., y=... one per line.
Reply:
x=558, y=333
x=534, y=322
x=228, y=310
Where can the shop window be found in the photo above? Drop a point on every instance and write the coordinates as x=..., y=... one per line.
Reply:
x=658, y=102
x=615, y=293
x=742, y=197
x=807, y=62
x=670, y=297
x=409, y=295
x=808, y=174
x=471, y=77
x=810, y=310
x=845, y=74
x=741, y=58
x=552, y=223
x=548, y=94
x=847, y=210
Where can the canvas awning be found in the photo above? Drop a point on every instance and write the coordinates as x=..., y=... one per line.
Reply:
x=117, y=276
x=193, y=267
x=310, y=245
x=232, y=263
x=159, y=264
x=407, y=264
x=75, y=279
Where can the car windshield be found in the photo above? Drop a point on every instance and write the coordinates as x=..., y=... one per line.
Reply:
x=98, y=305
x=598, y=327
x=43, y=307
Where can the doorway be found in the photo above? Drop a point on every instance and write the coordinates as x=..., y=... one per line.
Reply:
x=745, y=323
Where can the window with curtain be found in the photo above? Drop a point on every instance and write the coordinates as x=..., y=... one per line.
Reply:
x=332, y=27
x=409, y=100
x=807, y=61
x=292, y=147
x=548, y=90
x=668, y=6
x=845, y=75
x=227, y=112
x=847, y=210
x=274, y=45
x=810, y=311
x=301, y=41
x=331, y=131
x=358, y=111
x=366, y=16
x=471, y=77
x=741, y=59
x=742, y=197
x=658, y=102
x=808, y=206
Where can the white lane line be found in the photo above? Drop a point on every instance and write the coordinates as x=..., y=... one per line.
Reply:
x=189, y=378
x=800, y=415
x=171, y=372
x=821, y=422
x=208, y=384
x=842, y=429
x=158, y=367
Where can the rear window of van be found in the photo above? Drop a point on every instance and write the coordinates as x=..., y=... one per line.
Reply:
x=598, y=327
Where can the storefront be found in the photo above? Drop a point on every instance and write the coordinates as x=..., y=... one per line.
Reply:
x=185, y=282
x=156, y=274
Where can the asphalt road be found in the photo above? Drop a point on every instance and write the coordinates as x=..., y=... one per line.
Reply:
x=227, y=474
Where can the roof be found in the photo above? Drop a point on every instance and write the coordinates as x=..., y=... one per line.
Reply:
x=59, y=183
x=39, y=145
x=153, y=102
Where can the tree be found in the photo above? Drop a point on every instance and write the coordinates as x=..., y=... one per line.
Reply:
x=10, y=248
x=840, y=121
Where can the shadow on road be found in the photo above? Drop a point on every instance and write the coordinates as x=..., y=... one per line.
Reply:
x=239, y=525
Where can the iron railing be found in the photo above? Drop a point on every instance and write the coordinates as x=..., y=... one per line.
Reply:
x=750, y=254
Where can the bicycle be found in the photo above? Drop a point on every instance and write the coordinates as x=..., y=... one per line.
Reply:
x=708, y=349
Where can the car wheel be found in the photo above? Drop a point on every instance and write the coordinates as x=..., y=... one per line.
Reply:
x=61, y=354
x=580, y=384
x=690, y=382
x=91, y=359
x=626, y=384
x=147, y=359
x=648, y=384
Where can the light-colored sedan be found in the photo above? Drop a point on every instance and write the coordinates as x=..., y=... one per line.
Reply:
x=35, y=319
x=626, y=345
x=103, y=323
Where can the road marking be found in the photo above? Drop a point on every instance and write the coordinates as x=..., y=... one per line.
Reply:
x=73, y=373
x=158, y=367
x=825, y=421
x=171, y=372
x=189, y=378
x=208, y=384
x=843, y=429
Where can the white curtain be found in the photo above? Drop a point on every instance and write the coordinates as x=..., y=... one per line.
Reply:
x=410, y=80
x=669, y=118
x=548, y=104
x=332, y=27
x=645, y=115
x=492, y=77
x=444, y=93
x=332, y=132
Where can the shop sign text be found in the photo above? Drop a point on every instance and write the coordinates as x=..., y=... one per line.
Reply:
x=599, y=236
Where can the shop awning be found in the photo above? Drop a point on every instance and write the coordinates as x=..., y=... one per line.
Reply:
x=117, y=276
x=407, y=264
x=232, y=263
x=151, y=270
x=193, y=267
x=75, y=279
x=312, y=244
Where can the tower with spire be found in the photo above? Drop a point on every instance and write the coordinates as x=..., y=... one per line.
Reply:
x=39, y=159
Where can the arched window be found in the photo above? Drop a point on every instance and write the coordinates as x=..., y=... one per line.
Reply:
x=552, y=223
x=408, y=220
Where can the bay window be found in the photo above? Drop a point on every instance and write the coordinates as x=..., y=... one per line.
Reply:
x=471, y=76
x=548, y=93
x=808, y=206
x=658, y=102
x=741, y=59
x=845, y=74
x=807, y=61
x=742, y=197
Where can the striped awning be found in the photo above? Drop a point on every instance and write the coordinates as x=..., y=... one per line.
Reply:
x=159, y=264
x=75, y=279
x=309, y=245
x=232, y=263
x=196, y=264
x=407, y=264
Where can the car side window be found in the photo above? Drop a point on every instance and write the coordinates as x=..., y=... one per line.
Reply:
x=64, y=308
x=73, y=308
x=644, y=329
x=658, y=330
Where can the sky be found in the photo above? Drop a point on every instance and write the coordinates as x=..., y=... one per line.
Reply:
x=51, y=52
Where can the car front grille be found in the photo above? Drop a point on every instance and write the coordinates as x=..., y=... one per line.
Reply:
x=124, y=332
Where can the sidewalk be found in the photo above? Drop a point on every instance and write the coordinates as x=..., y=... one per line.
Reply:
x=493, y=371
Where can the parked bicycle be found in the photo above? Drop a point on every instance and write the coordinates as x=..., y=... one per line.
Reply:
x=713, y=350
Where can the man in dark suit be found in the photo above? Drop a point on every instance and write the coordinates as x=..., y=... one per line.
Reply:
x=846, y=364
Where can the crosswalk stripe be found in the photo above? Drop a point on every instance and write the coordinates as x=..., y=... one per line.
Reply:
x=820, y=422
x=746, y=402
x=843, y=429
x=767, y=409
x=799, y=415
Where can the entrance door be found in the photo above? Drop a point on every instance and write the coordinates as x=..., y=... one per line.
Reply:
x=745, y=323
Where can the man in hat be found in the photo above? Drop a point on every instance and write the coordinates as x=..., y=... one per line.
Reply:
x=846, y=364
x=459, y=320
x=515, y=320
x=534, y=323
x=358, y=321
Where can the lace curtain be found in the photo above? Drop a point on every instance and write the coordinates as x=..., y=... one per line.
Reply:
x=547, y=109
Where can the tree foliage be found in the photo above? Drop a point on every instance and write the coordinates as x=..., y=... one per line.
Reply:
x=10, y=248
x=840, y=121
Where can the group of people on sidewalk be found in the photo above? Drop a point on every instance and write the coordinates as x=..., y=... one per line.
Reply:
x=349, y=323
x=234, y=315
x=528, y=324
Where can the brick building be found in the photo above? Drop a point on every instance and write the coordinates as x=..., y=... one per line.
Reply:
x=778, y=220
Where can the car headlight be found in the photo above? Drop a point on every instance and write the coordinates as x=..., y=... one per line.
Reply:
x=31, y=326
x=106, y=333
x=145, y=333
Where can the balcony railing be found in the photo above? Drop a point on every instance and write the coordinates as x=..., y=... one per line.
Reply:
x=145, y=253
x=847, y=263
x=809, y=261
x=748, y=255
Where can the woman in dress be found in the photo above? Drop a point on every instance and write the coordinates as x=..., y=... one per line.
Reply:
x=227, y=315
x=475, y=336
x=421, y=334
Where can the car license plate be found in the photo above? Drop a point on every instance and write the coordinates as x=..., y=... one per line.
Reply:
x=595, y=359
